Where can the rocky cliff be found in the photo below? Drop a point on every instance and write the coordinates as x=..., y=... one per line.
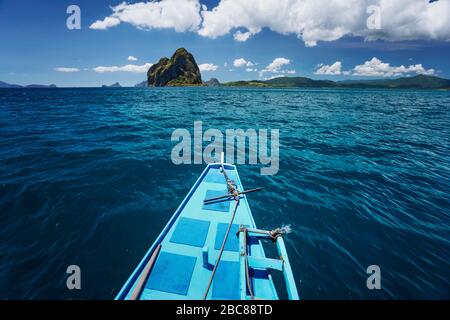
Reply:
x=180, y=70
x=213, y=82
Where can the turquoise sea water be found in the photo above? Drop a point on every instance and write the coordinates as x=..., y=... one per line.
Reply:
x=86, y=179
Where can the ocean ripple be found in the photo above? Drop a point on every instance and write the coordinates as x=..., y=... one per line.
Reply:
x=86, y=179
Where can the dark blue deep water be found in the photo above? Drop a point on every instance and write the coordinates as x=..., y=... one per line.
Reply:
x=86, y=178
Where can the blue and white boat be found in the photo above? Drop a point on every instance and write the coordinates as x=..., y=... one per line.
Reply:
x=211, y=248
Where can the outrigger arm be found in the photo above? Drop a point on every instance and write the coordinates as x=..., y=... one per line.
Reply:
x=246, y=261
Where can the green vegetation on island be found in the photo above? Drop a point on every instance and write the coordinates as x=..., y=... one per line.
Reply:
x=180, y=70
x=242, y=83
x=419, y=81
x=416, y=82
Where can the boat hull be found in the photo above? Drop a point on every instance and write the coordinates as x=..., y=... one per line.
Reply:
x=190, y=243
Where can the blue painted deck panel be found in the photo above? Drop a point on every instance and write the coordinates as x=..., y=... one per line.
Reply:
x=167, y=276
x=179, y=272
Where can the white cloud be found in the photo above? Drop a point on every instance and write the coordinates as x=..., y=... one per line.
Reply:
x=377, y=68
x=205, y=67
x=419, y=69
x=104, y=24
x=242, y=36
x=311, y=20
x=373, y=68
x=334, y=69
x=66, y=69
x=251, y=69
x=274, y=77
x=132, y=58
x=180, y=15
x=320, y=20
x=276, y=67
x=126, y=68
x=241, y=62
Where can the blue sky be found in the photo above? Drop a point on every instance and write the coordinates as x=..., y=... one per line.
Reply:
x=35, y=41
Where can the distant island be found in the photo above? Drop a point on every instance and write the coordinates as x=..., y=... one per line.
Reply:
x=114, y=85
x=38, y=86
x=182, y=70
x=213, y=82
x=142, y=84
x=416, y=82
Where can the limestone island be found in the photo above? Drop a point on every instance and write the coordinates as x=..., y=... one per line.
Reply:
x=180, y=70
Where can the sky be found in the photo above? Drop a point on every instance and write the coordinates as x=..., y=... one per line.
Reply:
x=230, y=39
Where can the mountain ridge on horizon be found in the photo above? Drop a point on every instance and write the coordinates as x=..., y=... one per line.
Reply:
x=5, y=85
x=414, y=82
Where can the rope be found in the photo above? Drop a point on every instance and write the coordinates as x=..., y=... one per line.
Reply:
x=221, y=251
x=231, y=186
x=232, y=190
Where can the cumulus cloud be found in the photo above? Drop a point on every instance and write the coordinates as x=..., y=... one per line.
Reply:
x=104, y=24
x=66, y=69
x=334, y=69
x=274, y=77
x=377, y=68
x=251, y=69
x=180, y=15
x=205, y=67
x=241, y=62
x=132, y=58
x=320, y=20
x=242, y=36
x=310, y=20
x=373, y=68
x=126, y=68
x=276, y=67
